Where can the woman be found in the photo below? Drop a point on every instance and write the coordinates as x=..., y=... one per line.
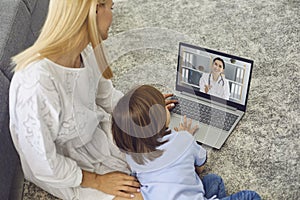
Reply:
x=215, y=83
x=60, y=105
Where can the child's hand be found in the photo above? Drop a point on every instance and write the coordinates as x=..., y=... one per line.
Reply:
x=199, y=169
x=170, y=103
x=187, y=126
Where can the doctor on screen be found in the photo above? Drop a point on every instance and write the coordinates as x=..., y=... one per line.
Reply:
x=214, y=83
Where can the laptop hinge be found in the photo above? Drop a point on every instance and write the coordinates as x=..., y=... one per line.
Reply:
x=209, y=101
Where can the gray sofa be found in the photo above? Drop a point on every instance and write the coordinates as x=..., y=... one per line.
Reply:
x=20, y=23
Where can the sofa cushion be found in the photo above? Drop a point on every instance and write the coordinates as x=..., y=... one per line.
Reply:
x=30, y=4
x=38, y=14
x=14, y=26
x=8, y=156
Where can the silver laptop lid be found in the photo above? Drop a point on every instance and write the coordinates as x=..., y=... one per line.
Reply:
x=213, y=75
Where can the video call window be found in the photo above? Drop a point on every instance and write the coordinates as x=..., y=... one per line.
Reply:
x=196, y=64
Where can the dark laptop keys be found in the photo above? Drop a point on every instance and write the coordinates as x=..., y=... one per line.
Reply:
x=204, y=114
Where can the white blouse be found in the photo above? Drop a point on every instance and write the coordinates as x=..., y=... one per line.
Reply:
x=60, y=124
x=218, y=88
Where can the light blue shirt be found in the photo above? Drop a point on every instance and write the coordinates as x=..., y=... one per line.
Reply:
x=172, y=175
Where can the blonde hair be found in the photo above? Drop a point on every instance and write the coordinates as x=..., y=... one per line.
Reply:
x=67, y=25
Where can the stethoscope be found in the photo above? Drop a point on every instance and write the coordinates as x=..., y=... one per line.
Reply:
x=218, y=81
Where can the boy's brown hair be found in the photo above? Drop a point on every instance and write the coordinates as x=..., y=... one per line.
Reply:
x=139, y=122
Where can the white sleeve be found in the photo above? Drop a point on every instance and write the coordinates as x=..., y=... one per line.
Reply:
x=107, y=96
x=202, y=83
x=226, y=89
x=35, y=112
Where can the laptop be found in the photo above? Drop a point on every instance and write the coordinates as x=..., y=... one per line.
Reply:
x=219, y=108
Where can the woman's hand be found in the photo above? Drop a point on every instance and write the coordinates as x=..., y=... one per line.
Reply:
x=187, y=126
x=113, y=183
x=137, y=196
x=170, y=103
x=207, y=88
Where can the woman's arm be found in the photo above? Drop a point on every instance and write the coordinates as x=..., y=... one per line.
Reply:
x=35, y=122
x=107, y=96
x=114, y=183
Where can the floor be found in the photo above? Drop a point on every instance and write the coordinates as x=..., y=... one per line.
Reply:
x=262, y=153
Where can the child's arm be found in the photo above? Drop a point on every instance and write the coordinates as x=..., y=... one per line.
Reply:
x=201, y=158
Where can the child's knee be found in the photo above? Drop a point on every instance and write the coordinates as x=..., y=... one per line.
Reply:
x=213, y=177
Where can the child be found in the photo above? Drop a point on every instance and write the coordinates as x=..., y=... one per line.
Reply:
x=163, y=160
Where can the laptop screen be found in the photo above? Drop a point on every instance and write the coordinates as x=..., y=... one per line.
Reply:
x=214, y=75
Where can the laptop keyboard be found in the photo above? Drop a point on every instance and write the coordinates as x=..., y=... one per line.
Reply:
x=205, y=114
